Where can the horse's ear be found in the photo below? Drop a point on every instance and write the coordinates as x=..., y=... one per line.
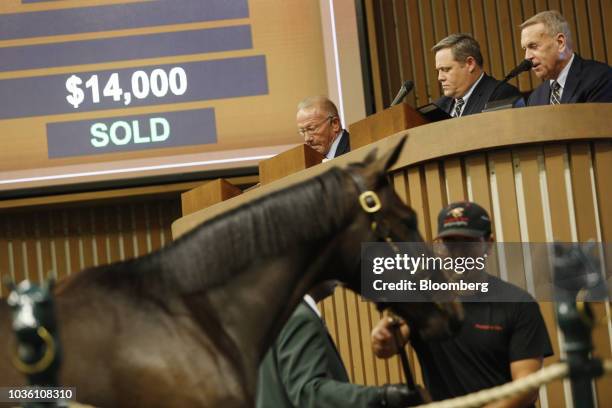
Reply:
x=390, y=158
x=371, y=157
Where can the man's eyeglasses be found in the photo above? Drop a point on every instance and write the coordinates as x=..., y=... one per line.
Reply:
x=313, y=128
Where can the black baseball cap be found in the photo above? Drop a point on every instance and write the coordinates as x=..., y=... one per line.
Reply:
x=464, y=219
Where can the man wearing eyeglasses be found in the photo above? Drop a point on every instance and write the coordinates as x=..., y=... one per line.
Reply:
x=319, y=124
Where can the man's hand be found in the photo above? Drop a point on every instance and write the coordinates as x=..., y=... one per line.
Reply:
x=400, y=396
x=383, y=341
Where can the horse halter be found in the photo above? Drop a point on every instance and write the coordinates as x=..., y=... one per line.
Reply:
x=370, y=203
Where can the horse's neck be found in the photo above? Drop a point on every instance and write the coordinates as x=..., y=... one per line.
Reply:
x=251, y=307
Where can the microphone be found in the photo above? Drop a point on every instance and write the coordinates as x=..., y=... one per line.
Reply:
x=494, y=104
x=403, y=91
x=525, y=65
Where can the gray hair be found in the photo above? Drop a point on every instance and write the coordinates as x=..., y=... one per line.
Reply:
x=321, y=102
x=554, y=23
x=462, y=46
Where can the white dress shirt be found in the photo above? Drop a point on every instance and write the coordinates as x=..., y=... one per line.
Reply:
x=562, y=78
x=467, y=95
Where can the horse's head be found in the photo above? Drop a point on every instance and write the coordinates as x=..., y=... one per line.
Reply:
x=381, y=216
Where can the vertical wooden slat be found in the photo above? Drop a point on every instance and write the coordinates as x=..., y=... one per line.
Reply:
x=526, y=82
x=452, y=16
x=56, y=230
x=567, y=9
x=401, y=186
x=429, y=41
x=508, y=217
x=4, y=255
x=330, y=316
x=140, y=228
x=354, y=332
x=554, y=5
x=382, y=46
x=126, y=231
x=465, y=17
x=71, y=220
x=436, y=192
x=582, y=27
x=602, y=168
x=584, y=208
x=455, y=180
x=596, y=30
x=476, y=169
x=44, y=238
x=344, y=342
x=534, y=213
x=404, y=49
x=112, y=216
x=493, y=40
x=528, y=11
x=365, y=326
x=16, y=234
x=439, y=19
x=606, y=12
x=86, y=237
x=418, y=201
x=418, y=52
x=508, y=33
x=393, y=64
x=100, y=230
x=380, y=369
x=373, y=27
x=155, y=226
x=480, y=30
x=29, y=247
x=559, y=211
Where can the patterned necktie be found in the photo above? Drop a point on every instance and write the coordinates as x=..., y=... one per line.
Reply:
x=459, y=102
x=555, y=96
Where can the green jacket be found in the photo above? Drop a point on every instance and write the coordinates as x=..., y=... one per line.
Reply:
x=303, y=369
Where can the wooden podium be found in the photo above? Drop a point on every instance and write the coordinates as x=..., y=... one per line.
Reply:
x=286, y=163
x=207, y=194
x=382, y=124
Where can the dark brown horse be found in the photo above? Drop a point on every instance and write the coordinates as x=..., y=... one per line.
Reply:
x=187, y=326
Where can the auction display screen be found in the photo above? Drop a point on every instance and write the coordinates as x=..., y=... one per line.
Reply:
x=99, y=90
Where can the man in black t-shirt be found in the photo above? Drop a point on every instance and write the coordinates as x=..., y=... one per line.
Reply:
x=498, y=341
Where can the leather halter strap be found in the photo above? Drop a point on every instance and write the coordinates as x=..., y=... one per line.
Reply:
x=370, y=203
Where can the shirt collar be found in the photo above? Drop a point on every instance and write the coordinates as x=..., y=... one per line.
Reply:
x=469, y=92
x=313, y=305
x=562, y=78
x=332, y=150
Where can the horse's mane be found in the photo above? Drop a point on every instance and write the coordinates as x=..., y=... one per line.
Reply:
x=227, y=244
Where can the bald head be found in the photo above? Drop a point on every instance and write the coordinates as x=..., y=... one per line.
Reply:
x=318, y=122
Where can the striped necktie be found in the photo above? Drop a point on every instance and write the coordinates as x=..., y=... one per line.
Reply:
x=459, y=102
x=555, y=95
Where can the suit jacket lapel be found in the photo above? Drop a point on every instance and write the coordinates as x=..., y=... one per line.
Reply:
x=475, y=97
x=573, y=78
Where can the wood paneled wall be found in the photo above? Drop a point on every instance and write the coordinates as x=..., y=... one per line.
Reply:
x=67, y=239
x=402, y=32
x=538, y=193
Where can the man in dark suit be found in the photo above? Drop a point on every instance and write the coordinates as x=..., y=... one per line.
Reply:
x=319, y=124
x=467, y=88
x=547, y=41
x=303, y=367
